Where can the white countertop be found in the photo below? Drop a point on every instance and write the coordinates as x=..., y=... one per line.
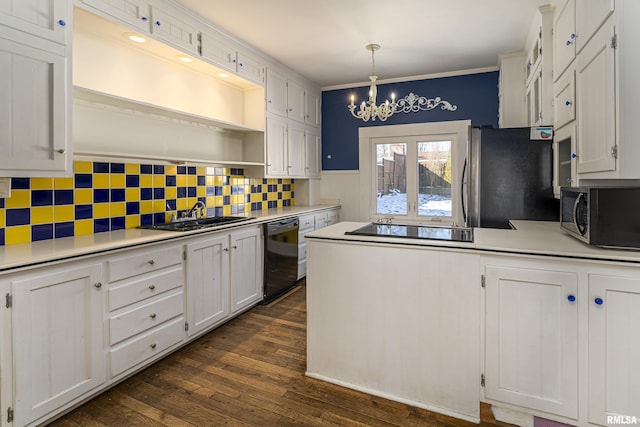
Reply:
x=529, y=237
x=26, y=254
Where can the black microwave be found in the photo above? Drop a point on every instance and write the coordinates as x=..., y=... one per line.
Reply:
x=602, y=216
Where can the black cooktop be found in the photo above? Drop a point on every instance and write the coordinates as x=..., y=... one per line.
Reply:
x=453, y=234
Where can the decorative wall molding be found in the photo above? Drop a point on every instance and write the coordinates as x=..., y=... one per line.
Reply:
x=413, y=103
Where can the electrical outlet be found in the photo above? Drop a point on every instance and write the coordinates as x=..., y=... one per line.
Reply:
x=5, y=188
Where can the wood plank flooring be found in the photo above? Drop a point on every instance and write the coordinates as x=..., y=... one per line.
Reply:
x=249, y=371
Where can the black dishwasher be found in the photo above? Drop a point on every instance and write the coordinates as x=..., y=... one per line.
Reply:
x=280, y=257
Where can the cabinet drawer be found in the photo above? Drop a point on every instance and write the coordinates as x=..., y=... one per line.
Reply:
x=144, y=287
x=146, y=346
x=307, y=222
x=134, y=321
x=143, y=261
x=564, y=99
x=320, y=220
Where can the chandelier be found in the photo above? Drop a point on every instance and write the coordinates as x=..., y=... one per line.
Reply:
x=369, y=110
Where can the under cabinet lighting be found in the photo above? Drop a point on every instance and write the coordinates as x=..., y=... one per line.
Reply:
x=185, y=59
x=223, y=75
x=137, y=38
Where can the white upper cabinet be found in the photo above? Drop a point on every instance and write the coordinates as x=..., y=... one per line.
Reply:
x=276, y=93
x=312, y=108
x=590, y=15
x=167, y=26
x=276, y=147
x=564, y=37
x=134, y=13
x=288, y=98
x=295, y=101
x=224, y=53
x=312, y=152
x=250, y=68
x=48, y=19
x=295, y=150
x=35, y=88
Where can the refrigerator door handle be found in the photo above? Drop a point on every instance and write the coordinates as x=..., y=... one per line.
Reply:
x=464, y=209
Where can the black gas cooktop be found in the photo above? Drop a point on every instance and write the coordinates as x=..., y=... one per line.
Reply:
x=453, y=234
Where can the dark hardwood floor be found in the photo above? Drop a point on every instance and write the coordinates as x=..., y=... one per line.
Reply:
x=249, y=371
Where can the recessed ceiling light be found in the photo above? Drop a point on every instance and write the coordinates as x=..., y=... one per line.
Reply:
x=223, y=75
x=184, y=59
x=137, y=38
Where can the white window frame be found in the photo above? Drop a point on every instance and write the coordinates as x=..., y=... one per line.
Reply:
x=456, y=131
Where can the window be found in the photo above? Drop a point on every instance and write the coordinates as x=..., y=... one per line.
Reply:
x=414, y=172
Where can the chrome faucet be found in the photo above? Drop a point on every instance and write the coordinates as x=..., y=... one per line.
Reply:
x=191, y=213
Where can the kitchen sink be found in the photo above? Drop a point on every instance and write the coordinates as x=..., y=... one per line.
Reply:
x=197, y=224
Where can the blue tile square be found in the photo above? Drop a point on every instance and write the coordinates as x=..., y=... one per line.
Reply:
x=146, y=169
x=192, y=191
x=41, y=197
x=158, y=193
x=247, y=198
x=117, y=168
x=292, y=195
x=202, y=180
x=218, y=210
x=234, y=189
x=286, y=202
x=211, y=211
x=63, y=229
x=191, y=170
x=20, y=183
x=117, y=194
x=146, y=193
x=170, y=180
x=264, y=197
x=203, y=200
x=100, y=167
x=182, y=170
x=117, y=223
x=100, y=225
x=146, y=219
x=171, y=204
x=234, y=209
x=210, y=191
x=41, y=232
x=226, y=200
x=286, y=187
x=279, y=180
x=63, y=197
x=132, y=181
x=17, y=217
x=272, y=204
x=2, y=238
x=83, y=180
x=225, y=180
x=84, y=211
x=100, y=195
x=132, y=208
x=218, y=190
x=1, y=203
x=279, y=196
x=159, y=218
x=182, y=192
x=158, y=169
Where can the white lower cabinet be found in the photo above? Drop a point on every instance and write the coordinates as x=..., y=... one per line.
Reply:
x=310, y=223
x=224, y=276
x=614, y=347
x=531, y=354
x=57, y=341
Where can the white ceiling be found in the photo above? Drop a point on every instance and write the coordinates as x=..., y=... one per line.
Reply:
x=324, y=40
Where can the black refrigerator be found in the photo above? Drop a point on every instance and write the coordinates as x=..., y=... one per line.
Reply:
x=509, y=176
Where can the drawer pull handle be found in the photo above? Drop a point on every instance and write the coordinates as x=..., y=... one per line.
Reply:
x=152, y=315
x=153, y=345
x=151, y=262
x=98, y=285
x=152, y=287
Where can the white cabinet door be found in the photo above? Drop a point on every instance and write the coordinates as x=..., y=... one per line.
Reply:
x=246, y=268
x=590, y=15
x=57, y=338
x=531, y=353
x=207, y=267
x=312, y=109
x=595, y=95
x=614, y=348
x=295, y=150
x=48, y=19
x=564, y=99
x=219, y=51
x=134, y=13
x=295, y=101
x=34, y=103
x=276, y=93
x=276, y=141
x=564, y=40
x=312, y=152
x=166, y=26
x=250, y=68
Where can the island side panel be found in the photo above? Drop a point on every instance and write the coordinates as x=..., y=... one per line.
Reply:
x=395, y=321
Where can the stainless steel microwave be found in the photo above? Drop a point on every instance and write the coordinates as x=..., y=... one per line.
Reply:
x=602, y=216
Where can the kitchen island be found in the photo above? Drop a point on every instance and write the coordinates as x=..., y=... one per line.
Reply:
x=444, y=325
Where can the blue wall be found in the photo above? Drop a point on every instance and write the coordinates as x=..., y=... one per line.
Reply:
x=475, y=95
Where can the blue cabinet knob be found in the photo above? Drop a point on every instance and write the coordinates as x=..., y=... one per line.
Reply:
x=574, y=155
x=62, y=22
x=568, y=180
x=158, y=23
x=567, y=103
x=572, y=36
x=571, y=298
x=598, y=301
x=144, y=18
